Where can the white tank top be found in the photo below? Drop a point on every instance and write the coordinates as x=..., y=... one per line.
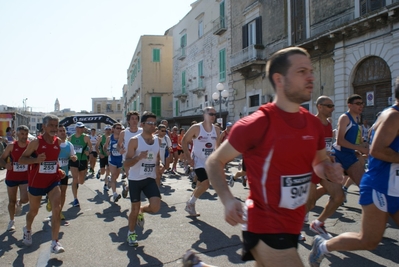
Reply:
x=93, y=140
x=145, y=168
x=203, y=146
x=128, y=135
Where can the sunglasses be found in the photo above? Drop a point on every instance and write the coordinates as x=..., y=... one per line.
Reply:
x=358, y=103
x=211, y=114
x=150, y=123
x=328, y=105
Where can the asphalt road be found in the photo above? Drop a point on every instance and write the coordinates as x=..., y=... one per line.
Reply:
x=97, y=232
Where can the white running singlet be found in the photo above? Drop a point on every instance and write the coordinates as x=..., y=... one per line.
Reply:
x=203, y=146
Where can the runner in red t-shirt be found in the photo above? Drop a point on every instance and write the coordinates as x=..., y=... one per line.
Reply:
x=17, y=174
x=44, y=178
x=282, y=144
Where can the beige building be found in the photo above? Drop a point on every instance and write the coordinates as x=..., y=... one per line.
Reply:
x=108, y=106
x=149, y=77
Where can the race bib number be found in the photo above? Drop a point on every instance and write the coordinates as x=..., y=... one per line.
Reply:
x=63, y=162
x=115, y=153
x=208, y=152
x=48, y=167
x=19, y=167
x=328, y=144
x=147, y=169
x=78, y=148
x=294, y=190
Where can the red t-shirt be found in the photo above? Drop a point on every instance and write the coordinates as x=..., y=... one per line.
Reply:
x=278, y=148
x=19, y=172
x=46, y=173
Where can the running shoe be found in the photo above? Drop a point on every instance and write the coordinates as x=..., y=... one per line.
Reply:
x=48, y=206
x=18, y=208
x=132, y=240
x=106, y=188
x=92, y=170
x=140, y=220
x=76, y=203
x=98, y=175
x=315, y=256
x=11, y=226
x=190, y=208
x=345, y=193
x=124, y=192
x=56, y=247
x=192, y=175
x=301, y=237
x=116, y=197
x=244, y=181
x=231, y=181
x=193, y=185
x=27, y=237
x=320, y=229
x=190, y=259
x=62, y=216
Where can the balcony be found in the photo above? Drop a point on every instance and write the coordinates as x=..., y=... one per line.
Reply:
x=249, y=59
x=181, y=52
x=219, y=26
x=182, y=97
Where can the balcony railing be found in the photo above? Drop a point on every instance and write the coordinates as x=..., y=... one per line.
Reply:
x=219, y=25
x=181, y=52
x=248, y=54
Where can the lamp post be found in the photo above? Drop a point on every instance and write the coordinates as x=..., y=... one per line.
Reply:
x=24, y=104
x=218, y=97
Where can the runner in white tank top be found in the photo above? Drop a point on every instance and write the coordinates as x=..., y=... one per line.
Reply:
x=204, y=136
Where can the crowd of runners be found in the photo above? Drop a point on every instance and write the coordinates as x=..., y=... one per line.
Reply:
x=292, y=158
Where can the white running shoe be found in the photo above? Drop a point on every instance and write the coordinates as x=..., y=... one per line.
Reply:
x=11, y=226
x=27, y=238
x=56, y=247
x=320, y=229
x=190, y=208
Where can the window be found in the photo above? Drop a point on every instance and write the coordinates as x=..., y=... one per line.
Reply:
x=200, y=28
x=252, y=33
x=177, y=108
x=156, y=55
x=254, y=100
x=222, y=18
x=98, y=108
x=134, y=105
x=138, y=65
x=222, y=65
x=183, y=44
x=367, y=6
x=33, y=119
x=156, y=105
x=298, y=20
x=201, y=74
x=119, y=107
x=183, y=82
x=109, y=108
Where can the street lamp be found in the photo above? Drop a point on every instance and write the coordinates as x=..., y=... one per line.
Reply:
x=24, y=104
x=218, y=97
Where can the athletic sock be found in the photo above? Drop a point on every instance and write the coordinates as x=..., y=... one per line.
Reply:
x=192, y=200
x=323, y=248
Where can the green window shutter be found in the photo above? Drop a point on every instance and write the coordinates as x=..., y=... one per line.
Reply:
x=177, y=108
x=156, y=105
x=200, y=73
x=222, y=18
x=222, y=65
x=138, y=64
x=183, y=82
x=156, y=55
x=135, y=105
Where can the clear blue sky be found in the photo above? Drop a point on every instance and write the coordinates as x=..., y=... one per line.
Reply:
x=74, y=50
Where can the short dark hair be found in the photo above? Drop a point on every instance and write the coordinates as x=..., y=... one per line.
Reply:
x=22, y=128
x=397, y=88
x=279, y=62
x=146, y=115
x=130, y=113
x=352, y=98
